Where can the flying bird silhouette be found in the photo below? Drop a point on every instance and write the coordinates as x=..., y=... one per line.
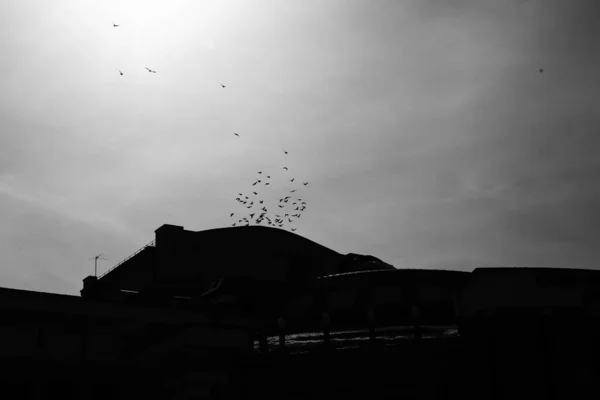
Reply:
x=236, y=134
x=305, y=183
x=120, y=72
x=115, y=25
x=285, y=152
x=150, y=70
x=223, y=85
x=541, y=70
x=286, y=168
x=231, y=215
x=292, y=180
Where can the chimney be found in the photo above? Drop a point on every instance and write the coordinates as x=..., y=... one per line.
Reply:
x=168, y=241
x=167, y=234
x=89, y=284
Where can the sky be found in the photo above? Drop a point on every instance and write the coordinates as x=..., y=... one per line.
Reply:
x=427, y=133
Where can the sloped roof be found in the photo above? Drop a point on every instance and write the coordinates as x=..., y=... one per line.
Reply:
x=259, y=235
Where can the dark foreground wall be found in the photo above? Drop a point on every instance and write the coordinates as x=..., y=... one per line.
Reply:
x=56, y=346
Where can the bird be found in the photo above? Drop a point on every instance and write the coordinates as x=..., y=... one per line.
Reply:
x=268, y=176
x=292, y=191
x=267, y=183
x=260, y=172
x=285, y=152
x=120, y=72
x=236, y=134
x=115, y=25
x=254, y=184
x=541, y=70
x=280, y=206
x=294, y=229
x=231, y=215
x=260, y=201
x=255, y=193
x=286, y=168
x=149, y=70
x=292, y=180
x=305, y=183
x=223, y=86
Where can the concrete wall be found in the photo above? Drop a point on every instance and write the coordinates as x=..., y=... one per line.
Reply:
x=492, y=288
x=393, y=293
x=57, y=346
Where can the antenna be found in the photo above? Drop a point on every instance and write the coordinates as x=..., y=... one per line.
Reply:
x=96, y=258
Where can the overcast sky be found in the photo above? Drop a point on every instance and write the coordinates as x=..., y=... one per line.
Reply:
x=425, y=129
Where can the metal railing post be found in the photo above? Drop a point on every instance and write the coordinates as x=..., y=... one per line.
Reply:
x=151, y=244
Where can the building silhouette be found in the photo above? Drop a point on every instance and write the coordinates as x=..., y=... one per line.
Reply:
x=198, y=315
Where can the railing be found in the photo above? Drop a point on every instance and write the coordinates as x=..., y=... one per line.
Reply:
x=151, y=244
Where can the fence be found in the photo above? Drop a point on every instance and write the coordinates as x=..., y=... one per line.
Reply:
x=151, y=244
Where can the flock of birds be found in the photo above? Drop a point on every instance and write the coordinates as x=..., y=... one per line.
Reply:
x=290, y=207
